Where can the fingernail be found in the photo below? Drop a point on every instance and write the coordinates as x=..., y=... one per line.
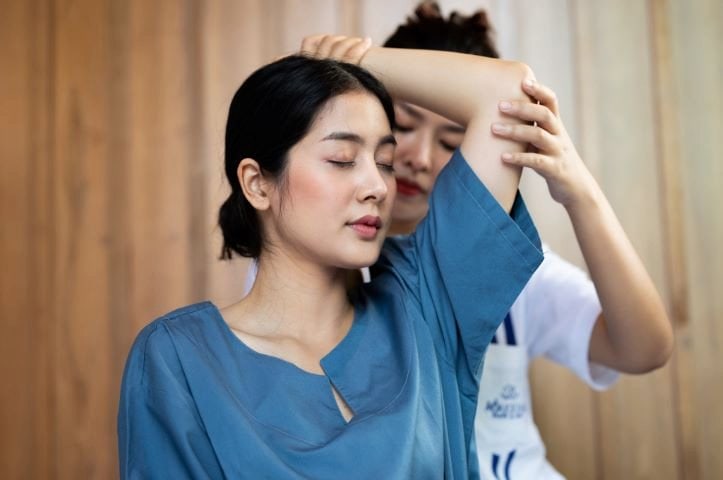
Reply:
x=506, y=156
x=500, y=128
x=529, y=82
x=505, y=106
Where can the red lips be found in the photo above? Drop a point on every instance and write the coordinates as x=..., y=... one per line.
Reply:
x=408, y=188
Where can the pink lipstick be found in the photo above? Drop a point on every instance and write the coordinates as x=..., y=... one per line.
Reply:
x=367, y=226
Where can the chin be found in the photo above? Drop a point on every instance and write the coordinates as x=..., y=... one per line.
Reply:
x=408, y=214
x=361, y=259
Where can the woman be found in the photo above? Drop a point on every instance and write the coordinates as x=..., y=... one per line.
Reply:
x=558, y=314
x=304, y=378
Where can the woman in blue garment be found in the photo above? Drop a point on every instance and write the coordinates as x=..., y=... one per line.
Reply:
x=305, y=378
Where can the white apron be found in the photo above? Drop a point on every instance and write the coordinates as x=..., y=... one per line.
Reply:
x=509, y=446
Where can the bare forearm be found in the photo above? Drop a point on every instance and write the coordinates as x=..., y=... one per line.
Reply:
x=633, y=334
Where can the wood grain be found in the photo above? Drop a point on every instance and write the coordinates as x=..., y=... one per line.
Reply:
x=26, y=397
x=696, y=28
x=637, y=416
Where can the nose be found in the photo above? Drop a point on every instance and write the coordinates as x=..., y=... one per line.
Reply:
x=417, y=155
x=373, y=187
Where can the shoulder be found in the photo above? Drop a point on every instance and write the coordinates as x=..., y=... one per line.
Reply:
x=155, y=347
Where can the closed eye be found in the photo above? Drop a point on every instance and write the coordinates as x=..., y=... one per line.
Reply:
x=387, y=167
x=448, y=146
x=403, y=128
x=342, y=164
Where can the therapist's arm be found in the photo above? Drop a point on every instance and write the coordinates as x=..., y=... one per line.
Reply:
x=633, y=334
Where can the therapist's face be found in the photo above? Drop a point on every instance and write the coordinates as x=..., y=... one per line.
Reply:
x=425, y=143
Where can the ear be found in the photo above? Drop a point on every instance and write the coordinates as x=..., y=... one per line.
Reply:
x=255, y=186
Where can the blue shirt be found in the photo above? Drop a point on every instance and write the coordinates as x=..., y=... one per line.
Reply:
x=196, y=402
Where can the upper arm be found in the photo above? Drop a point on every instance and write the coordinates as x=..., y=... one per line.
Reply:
x=482, y=149
x=160, y=433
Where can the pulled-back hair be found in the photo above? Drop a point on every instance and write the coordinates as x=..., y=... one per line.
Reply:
x=427, y=29
x=272, y=111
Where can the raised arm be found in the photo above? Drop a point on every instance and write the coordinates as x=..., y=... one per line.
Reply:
x=633, y=333
x=464, y=88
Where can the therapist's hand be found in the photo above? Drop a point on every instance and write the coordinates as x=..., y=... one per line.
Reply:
x=552, y=153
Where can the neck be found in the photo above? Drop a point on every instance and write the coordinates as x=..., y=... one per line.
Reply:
x=296, y=299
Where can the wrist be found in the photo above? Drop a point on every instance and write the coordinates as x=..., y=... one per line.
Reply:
x=586, y=200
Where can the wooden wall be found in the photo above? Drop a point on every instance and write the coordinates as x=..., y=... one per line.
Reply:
x=111, y=127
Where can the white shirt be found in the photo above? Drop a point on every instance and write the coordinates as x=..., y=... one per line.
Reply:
x=553, y=317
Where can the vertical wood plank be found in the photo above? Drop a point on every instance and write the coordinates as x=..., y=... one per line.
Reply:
x=668, y=150
x=26, y=428
x=85, y=383
x=163, y=166
x=696, y=36
x=636, y=417
x=294, y=21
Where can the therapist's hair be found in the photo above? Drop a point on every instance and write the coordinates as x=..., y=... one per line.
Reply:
x=270, y=113
x=427, y=29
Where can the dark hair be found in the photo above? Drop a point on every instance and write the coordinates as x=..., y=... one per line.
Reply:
x=427, y=29
x=271, y=112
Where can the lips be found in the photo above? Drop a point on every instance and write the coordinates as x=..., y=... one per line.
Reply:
x=408, y=188
x=367, y=226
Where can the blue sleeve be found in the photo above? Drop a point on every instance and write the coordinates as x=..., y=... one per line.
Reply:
x=160, y=434
x=466, y=263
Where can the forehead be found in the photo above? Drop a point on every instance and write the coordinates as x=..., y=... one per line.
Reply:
x=356, y=112
x=423, y=115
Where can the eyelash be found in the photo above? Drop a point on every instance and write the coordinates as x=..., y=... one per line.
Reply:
x=384, y=166
x=448, y=147
x=342, y=164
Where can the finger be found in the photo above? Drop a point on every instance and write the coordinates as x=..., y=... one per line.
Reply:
x=545, y=95
x=311, y=43
x=357, y=52
x=326, y=45
x=340, y=50
x=542, y=164
x=538, y=137
x=531, y=112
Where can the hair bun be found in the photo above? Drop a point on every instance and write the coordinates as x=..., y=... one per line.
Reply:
x=428, y=10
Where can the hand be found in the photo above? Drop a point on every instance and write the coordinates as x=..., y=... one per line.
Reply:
x=336, y=47
x=552, y=153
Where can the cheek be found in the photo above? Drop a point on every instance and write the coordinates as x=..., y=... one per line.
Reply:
x=440, y=159
x=314, y=189
x=406, y=142
x=391, y=188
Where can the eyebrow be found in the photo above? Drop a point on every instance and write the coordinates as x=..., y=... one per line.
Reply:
x=413, y=112
x=354, y=138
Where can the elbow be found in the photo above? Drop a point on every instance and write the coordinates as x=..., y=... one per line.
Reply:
x=506, y=85
x=664, y=349
x=660, y=349
x=517, y=73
